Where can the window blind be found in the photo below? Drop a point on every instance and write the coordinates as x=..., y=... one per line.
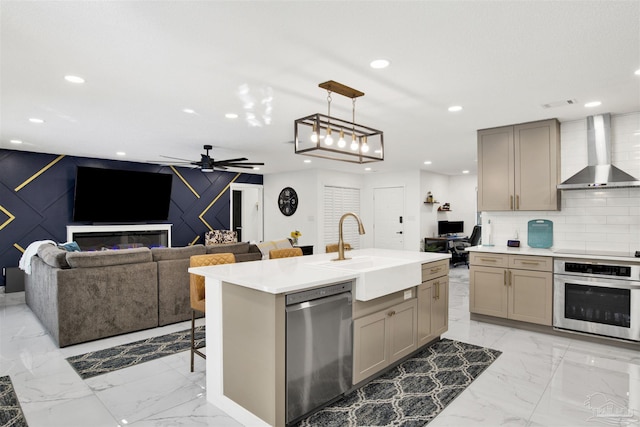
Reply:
x=337, y=202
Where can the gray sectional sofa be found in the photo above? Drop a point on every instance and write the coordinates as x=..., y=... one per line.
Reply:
x=84, y=296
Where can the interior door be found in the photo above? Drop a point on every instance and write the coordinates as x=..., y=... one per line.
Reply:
x=246, y=212
x=388, y=218
x=236, y=212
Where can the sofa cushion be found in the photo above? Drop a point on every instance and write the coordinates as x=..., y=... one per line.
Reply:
x=109, y=257
x=269, y=245
x=166, y=254
x=53, y=256
x=234, y=248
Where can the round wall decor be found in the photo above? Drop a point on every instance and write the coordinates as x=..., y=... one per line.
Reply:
x=288, y=201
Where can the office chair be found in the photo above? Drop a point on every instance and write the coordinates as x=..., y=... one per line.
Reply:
x=458, y=249
x=196, y=291
x=285, y=253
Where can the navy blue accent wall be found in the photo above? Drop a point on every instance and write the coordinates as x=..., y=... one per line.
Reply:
x=36, y=199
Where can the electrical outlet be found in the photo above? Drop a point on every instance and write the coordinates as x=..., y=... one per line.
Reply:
x=407, y=294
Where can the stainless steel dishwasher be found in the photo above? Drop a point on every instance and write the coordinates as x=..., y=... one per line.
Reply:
x=319, y=353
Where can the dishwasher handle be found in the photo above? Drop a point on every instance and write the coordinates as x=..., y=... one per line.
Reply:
x=320, y=301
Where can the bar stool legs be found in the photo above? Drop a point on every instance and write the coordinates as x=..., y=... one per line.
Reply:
x=195, y=350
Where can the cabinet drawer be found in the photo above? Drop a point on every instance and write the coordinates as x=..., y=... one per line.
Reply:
x=489, y=260
x=363, y=308
x=435, y=269
x=528, y=262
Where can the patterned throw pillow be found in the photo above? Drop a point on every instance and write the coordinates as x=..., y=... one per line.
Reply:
x=220, y=236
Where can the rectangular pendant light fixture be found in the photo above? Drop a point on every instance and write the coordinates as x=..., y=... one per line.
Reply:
x=327, y=137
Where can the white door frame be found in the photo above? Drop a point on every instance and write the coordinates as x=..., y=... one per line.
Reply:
x=259, y=205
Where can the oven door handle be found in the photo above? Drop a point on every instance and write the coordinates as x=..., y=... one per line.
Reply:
x=597, y=281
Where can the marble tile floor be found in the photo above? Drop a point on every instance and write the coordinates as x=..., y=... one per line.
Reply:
x=539, y=380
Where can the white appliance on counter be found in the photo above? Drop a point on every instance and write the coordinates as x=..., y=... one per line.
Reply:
x=597, y=297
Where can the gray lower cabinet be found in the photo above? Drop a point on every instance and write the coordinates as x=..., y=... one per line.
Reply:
x=433, y=309
x=387, y=329
x=516, y=287
x=383, y=337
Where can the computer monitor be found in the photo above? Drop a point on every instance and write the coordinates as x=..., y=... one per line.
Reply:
x=456, y=227
x=450, y=227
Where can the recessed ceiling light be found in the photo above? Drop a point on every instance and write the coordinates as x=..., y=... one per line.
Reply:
x=367, y=169
x=455, y=108
x=379, y=63
x=465, y=171
x=255, y=168
x=231, y=116
x=188, y=111
x=428, y=162
x=637, y=73
x=36, y=120
x=121, y=153
x=592, y=104
x=74, y=79
x=307, y=161
x=15, y=141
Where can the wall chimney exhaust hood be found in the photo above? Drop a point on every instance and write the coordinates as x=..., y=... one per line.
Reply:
x=599, y=173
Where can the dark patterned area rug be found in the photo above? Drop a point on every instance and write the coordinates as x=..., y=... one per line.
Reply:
x=10, y=411
x=122, y=356
x=413, y=393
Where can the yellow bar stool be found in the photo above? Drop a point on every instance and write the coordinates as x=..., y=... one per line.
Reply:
x=196, y=292
x=285, y=253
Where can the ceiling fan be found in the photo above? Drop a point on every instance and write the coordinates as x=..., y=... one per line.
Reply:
x=208, y=163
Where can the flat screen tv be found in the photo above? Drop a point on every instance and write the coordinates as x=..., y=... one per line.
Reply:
x=121, y=196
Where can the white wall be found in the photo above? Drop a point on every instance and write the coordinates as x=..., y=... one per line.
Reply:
x=308, y=218
x=458, y=191
x=278, y=226
x=420, y=220
x=604, y=220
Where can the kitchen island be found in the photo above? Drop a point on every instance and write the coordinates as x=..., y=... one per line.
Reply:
x=245, y=320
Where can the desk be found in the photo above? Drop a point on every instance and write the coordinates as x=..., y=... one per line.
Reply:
x=441, y=244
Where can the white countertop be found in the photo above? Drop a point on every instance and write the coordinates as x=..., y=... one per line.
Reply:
x=556, y=253
x=284, y=275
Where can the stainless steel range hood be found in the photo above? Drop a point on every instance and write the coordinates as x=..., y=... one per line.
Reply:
x=599, y=173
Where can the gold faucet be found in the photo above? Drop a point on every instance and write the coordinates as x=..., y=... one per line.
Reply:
x=340, y=240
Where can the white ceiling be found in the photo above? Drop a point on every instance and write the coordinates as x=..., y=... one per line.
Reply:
x=145, y=61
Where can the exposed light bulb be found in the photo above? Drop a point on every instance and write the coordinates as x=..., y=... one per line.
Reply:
x=354, y=143
x=341, y=141
x=328, y=140
x=314, y=134
x=365, y=146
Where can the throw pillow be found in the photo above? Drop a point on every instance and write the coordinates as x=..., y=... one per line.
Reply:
x=220, y=236
x=70, y=246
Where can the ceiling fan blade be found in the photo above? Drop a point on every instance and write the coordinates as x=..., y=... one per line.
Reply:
x=176, y=158
x=238, y=165
x=239, y=159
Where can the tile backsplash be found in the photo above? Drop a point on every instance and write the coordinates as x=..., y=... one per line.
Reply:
x=607, y=220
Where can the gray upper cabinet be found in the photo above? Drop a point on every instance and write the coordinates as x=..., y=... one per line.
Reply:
x=519, y=167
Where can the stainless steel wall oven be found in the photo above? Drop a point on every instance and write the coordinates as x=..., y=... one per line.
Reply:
x=597, y=297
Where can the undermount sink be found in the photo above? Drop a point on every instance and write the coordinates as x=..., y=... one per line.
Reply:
x=378, y=276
